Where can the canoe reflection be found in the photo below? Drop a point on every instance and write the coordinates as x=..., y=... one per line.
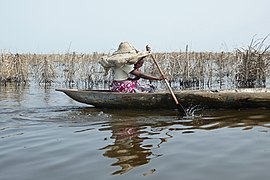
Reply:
x=138, y=139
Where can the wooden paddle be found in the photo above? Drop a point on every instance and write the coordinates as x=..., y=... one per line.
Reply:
x=180, y=108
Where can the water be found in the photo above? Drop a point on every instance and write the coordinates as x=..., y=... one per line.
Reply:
x=46, y=135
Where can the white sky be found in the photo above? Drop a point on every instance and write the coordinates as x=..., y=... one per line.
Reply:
x=55, y=26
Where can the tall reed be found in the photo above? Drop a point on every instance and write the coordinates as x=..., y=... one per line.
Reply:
x=253, y=66
x=47, y=73
x=13, y=68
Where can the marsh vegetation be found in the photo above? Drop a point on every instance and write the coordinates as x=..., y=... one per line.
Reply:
x=244, y=67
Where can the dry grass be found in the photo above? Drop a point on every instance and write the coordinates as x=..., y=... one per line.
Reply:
x=253, y=66
x=13, y=68
x=245, y=67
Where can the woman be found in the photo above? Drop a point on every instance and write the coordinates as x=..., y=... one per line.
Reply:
x=126, y=79
x=126, y=63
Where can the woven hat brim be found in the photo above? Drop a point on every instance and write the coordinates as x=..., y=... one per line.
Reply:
x=127, y=58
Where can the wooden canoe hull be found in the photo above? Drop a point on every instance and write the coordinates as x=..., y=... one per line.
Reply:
x=227, y=99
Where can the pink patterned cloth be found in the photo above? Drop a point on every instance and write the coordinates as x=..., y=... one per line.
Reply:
x=131, y=86
x=127, y=86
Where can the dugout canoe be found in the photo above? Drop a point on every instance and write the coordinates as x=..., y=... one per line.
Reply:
x=227, y=99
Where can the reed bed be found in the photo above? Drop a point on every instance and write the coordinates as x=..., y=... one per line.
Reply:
x=13, y=68
x=254, y=65
x=245, y=67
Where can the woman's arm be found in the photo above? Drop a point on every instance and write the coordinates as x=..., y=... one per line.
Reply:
x=139, y=74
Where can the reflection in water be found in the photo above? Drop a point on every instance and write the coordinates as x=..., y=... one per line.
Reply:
x=231, y=119
x=13, y=94
x=136, y=138
x=128, y=147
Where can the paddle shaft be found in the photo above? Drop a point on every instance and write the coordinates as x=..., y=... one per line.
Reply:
x=169, y=87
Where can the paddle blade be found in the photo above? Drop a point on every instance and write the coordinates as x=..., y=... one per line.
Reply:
x=181, y=110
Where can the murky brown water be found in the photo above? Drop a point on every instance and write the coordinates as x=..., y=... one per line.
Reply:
x=46, y=135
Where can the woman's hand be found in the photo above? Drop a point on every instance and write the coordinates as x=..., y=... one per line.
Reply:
x=148, y=48
x=161, y=78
